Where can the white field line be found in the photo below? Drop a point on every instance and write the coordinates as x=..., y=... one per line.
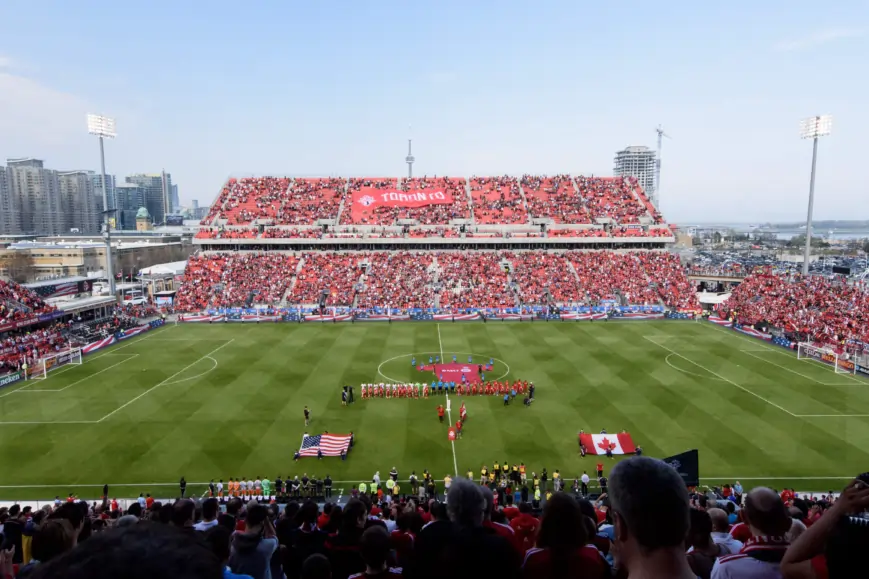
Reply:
x=166, y=381
x=449, y=416
x=785, y=368
x=131, y=356
x=743, y=388
x=175, y=483
x=780, y=351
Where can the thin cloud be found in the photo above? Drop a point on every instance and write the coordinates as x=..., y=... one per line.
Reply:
x=5, y=62
x=820, y=38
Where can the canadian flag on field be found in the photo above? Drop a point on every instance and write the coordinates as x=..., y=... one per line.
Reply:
x=598, y=443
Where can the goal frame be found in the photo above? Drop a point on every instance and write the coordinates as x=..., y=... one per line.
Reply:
x=827, y=356
x=48, y=364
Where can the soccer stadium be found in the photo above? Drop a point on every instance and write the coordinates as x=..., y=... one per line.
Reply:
x=366, y=376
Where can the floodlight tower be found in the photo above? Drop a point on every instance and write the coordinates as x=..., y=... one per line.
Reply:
x=104, y=128
x=410, y=158
x=813, y=128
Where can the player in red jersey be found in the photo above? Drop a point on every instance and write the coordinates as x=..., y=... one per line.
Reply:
x=473, y=389
x=458, y=428
x=440, y=413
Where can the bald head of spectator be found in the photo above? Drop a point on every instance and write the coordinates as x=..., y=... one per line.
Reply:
x=765, y=513
x=650, y=510
x=719, y=520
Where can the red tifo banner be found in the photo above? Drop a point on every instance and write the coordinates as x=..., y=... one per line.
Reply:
x=598, y=443
x=367, y=199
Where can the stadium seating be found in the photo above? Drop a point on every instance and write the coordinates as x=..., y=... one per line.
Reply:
x=474, y=280
x=611, y=198
x=244, y=200
x=19, y=303
x=815, y=308
x=466, y=279
x=30, y=346
x=554, y=198
x=543, y=278
x=335, y=272
x=434, y=214
x=233, y=279
x=497, y=200
x=397, y=279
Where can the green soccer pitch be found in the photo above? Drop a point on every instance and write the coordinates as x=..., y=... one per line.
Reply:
x=220, y=401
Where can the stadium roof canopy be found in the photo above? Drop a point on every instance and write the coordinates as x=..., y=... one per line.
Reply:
x=164, y=269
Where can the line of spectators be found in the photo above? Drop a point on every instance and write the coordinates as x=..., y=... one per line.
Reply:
x=555, y=198
x=28, y=347
x=399, y=279
x=647, y=525
x=611, y=198
x=338, y=273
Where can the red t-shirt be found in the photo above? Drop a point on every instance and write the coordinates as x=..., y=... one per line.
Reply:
x=584, y=563
x=458, y=424
x=322, y=520
x=440, y=412
x=525, y=527
x=511, y=512
x=504, y=531
x=740, y=532
x=149, y=501
x=600, y=467
x=402, y=542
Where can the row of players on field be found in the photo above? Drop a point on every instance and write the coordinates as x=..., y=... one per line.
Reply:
x=420, y=390
x=264, y=487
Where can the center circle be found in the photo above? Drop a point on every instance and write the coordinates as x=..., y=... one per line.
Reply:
x=414, y=354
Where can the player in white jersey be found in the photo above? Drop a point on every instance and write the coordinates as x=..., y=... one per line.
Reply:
x=258, y=487
x=220, y=488
x=242, y=488
x=250, y=488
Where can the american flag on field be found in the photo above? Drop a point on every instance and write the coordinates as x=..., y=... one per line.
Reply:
x=330, y=444
x=57, y=290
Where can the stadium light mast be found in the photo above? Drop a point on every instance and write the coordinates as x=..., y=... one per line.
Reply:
x=409, y=159
x=813, y=128
x=104, y=128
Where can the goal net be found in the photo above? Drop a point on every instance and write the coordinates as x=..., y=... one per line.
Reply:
x=841, y=365
x=48, y=364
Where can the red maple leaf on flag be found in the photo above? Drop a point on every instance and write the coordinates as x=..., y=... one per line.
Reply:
x=605, y=444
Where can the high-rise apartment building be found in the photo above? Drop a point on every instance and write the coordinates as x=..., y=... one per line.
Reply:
x=78, y=202
x=35, y=191
x=157, y=193
x=9, y=219
x=96, y=180
x=639, y=162
x=176, y=201
x=130, y=197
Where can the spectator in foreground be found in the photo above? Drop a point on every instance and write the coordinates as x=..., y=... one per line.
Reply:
x=343, y=547
x=649, y=505
x=562, y=545
x=316, y=567
x=704, y=551
x=252, y=550
x=52, y=539
x=768, y=519
x=13, y=532
x=218, y=539
x=835, y=545
x=210, y=508
x=374, y=548
x=143, y=551
x=720, y=534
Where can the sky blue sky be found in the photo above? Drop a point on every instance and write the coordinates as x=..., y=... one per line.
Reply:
x=209, y=89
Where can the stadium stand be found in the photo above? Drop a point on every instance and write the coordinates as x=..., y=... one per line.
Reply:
x=611, y=198
x=397, y=279
x=813, y=308
x=497, y=200
x=543, y=278
x=244, y=200
x=337, y=273
x=474, y=280
x=20, y=348
x=555, y=198
x=20, y=303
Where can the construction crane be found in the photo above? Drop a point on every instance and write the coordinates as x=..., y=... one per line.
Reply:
x=661, y=134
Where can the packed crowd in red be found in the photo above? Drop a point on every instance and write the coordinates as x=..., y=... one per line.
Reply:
x=474, y=280
x=465, y=279
x=586, y=232
x=543, y=277
x=336, y=272
x=228, y=279
x=398, y=279
x=224, y=233
x=642, y=278
x=19, y=303
x=816, y=307
x=497, y=200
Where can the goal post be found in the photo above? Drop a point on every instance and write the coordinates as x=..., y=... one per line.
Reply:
x=48, y=364
x=807, y=351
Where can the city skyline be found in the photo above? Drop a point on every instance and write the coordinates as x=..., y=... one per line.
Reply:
x=730, y=84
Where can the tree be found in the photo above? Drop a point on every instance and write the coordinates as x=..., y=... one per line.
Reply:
x=18, y=265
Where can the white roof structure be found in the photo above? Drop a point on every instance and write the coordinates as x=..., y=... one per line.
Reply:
x=164, y=269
